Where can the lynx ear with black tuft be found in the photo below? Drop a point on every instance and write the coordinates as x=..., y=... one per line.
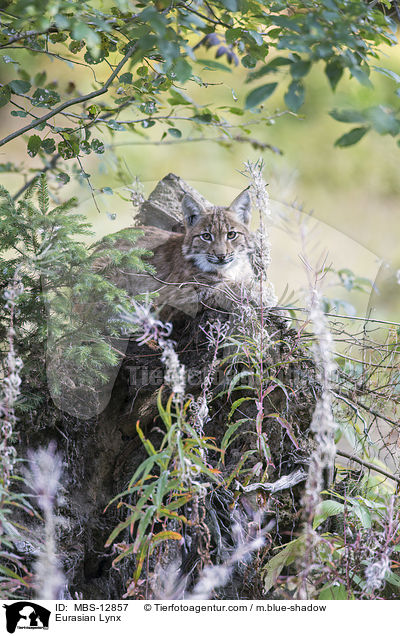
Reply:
x=242, y=206
x=192, y=211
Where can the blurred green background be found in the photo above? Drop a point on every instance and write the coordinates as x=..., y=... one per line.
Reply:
x=353, y=192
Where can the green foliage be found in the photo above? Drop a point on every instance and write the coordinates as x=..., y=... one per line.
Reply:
x=162, y=485
x=260, y=94
x=255, y=377
x=362, y=528
x=132, y=69
x=380, y=118
x=351, y=137
x=67, y=307
x=284, y=558
x=15, y=577
x=156, y=51
x=348, y=282
x=355, y=528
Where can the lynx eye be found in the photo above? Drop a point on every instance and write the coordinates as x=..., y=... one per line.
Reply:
x=231, y=235
x=206, y=236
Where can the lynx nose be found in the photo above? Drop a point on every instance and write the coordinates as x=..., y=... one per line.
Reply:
x=221, y=257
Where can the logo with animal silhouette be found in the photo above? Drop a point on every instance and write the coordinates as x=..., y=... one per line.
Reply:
x=26, y=615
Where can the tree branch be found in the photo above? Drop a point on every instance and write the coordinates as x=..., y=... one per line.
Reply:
x=217, y=22
x=326, y=313
x=25, y=35
x=46, y=168
x=367, y=408
x=52, y=164
x=228, y=140
x=362, y=462
x=71, y=102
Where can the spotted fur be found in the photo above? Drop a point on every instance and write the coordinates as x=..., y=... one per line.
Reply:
x=205, y=264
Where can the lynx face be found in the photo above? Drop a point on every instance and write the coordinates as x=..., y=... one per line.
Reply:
x=218, y=239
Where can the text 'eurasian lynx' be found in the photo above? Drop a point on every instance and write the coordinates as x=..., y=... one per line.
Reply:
x=208, y=264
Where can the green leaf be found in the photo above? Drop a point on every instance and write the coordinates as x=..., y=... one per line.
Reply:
x=334, y=72
x=260, y=94
x=94, y=111
x=226, y=440
x=392, y=578
x=335, y=592
x=126, y=78
x=202, y=118
x=257, y=37
x=20, y=87
x=212, y=65
x=231, y=35
x=351, y=137
x=237, y=403
x=383, y=120
x=330, y=4
x=145, y=441
x=248, y=61
x=82, y=31
x=40, y=126
x=12, y=575
x=348, y=116
x=114, y=125
x=76, y=45
x=66, y=150
x=63, y=177
x=300, y=69
x=165, y=535
x=61, y=21
x=175, y=132
x=285, y=557
x=34, y=144
x=363, y=514
x=48, y=146
x=97, y=146
x=182, y=70
x=45, y=98
x=325, y=509
x=389, y=73
x=361, y=76
x=40, y=78
x=177, y=98
x=85, y=147
x=8, y=167
x=236, y=111
x=271, y=67
x=156, y=19
x=5, y=95
x=19, y=113
x=231, y=5
x=294, y=97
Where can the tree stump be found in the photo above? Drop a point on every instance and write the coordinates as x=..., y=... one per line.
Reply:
x=102, y=453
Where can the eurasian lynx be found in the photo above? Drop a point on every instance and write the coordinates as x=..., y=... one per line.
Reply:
x=209, y=264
